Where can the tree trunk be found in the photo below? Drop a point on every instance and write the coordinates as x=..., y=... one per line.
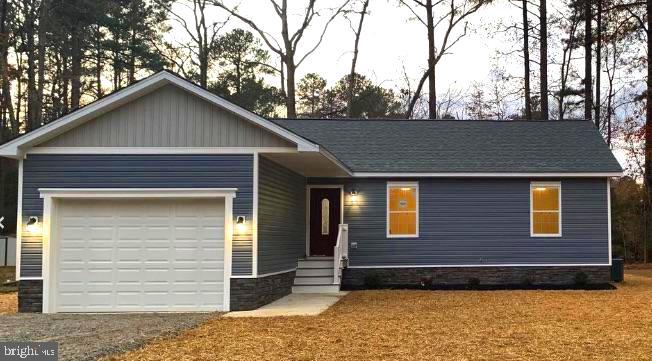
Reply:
x=598, y=64
x=98, y=63
x=32, y=103
x=588, y=64
x=116, y=69
x=203, y=68
x=75, y=69
x=131, y=71
x=543, y=54
x=526, y=63
x=6, y=102
x=56, y=79
x=648, y=115
x=432, y=89
x=352, y=75
x=562, y=87
x=416, y=95
x=3, y=72
x=65, y=87
x=42, y=39
x=290, y=101
x=290, y=66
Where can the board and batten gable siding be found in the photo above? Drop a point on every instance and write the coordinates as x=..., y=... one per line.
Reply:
x=168, y=117
x=477, y=222
x=135, y=171
x=281, y=217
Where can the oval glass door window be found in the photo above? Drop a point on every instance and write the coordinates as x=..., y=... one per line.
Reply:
x=325, y=211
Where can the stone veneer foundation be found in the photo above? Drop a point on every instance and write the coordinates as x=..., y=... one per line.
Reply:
x=30, y=296
x=251, y=293
x=246, y=293
x=359, y=278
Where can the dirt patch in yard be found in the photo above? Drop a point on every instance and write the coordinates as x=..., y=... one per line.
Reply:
x=8, y=303
x=436, y=325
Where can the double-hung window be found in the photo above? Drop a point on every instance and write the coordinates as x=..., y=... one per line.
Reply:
x=402, y=209
x=545, y=209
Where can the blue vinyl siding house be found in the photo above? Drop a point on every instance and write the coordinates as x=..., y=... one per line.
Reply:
x=165, y=197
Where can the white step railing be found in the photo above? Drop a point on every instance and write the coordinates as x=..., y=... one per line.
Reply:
x=340, y=252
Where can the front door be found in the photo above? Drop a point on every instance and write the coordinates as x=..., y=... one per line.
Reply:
x=324, y=220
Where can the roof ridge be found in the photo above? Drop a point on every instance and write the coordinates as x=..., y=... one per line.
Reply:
x=429, y=120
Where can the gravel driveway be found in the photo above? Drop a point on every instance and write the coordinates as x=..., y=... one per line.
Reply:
x=88, y=337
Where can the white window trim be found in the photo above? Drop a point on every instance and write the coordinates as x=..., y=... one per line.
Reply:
x=52, y=195
x=398, y=185
x=544, y=184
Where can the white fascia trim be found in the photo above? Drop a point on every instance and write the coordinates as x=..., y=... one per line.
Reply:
x=609, y=218
x=159, y=150
x=12, y=149
x=277, y=273
x=485, y=175
x=19, y=220
x=334, y=159
x=254, y=222
x=489, y=265
x=228, y=251
x=137, y=192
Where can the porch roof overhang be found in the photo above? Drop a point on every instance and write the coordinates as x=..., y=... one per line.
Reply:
x=311, y=164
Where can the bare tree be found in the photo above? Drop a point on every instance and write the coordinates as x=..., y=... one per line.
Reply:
x=526, y=62
x=42, y=39
x=287, y=50
x=201, y=31
x=6, y=102
x=454, y=15
x=588, y=65
x=352, y=74
x=570, y=42
x=543, y=57
x=648, y=109
x=598, y=63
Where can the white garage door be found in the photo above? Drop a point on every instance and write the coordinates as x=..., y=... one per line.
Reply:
x=139, y=255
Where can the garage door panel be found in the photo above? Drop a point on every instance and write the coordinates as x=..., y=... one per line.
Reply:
x=139, y=255
x=127, y=233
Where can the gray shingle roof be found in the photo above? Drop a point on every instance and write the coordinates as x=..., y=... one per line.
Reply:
x=460, y=146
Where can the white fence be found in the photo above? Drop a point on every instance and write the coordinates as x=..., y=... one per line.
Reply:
x=7, y=251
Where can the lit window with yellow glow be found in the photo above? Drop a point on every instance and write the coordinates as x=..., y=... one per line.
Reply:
x=402, y=210
x=545, y=209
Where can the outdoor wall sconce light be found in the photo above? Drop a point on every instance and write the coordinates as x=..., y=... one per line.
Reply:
x=354, y=196
x=240, y=225
x=32, y=225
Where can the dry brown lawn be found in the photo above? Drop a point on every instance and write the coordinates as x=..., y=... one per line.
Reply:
x=8, y=303
x=436, y=325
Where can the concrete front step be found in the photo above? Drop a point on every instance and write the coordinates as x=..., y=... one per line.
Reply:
x=315, y=272
x=316, y=289
x=316, y=263
x=328, y=280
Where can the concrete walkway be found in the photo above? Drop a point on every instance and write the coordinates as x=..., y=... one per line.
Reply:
x=296, y=304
